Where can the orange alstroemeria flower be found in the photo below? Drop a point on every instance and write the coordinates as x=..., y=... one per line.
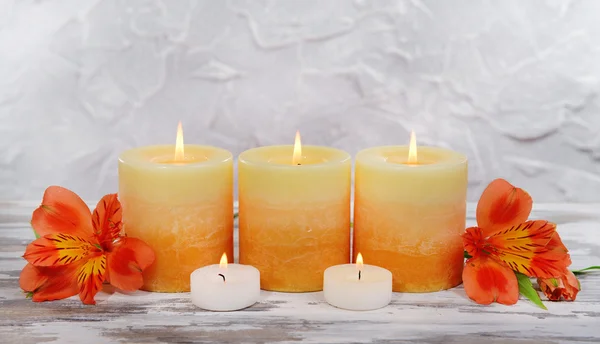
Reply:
x=566, y=287
x=504, y=241
x=78, y=251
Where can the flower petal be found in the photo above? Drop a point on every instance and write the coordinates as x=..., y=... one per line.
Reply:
x=59, y=249
x=572, y=286
x=49, y=283
x=527, y=236
x=486, y=281
x=126, y=263
x=31, y=278
x=62, y=211
x=502, y=206
x=90, y=277
x=107, y=218
x=556, y=250
x=564, y=287
x=473, y=241
x=551, y=287
x=524, y=249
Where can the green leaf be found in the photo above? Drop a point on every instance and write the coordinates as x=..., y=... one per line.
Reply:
x=526, y=289
x=466, y=255
x=28, y=295
x=586, y=270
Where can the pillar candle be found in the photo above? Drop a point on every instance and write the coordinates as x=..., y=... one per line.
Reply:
x=409, y=215
x=294, y=216
x=182, y=208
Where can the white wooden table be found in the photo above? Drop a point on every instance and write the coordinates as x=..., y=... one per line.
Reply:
x=443, y=317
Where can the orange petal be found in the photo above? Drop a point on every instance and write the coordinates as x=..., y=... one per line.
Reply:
x=107, y=219
x=555, y=259
x=572, y=286
x=473, y=241
x=551, y=287
x=524, y=249
x=31, y=278
x=556, y=250
x=62, y=211
x=486, y=281
x=502, y=206
x=90, y=277
x=59, y=249
x=50, y=283
x=527, y=236
x=126, y=263
x=564, y=287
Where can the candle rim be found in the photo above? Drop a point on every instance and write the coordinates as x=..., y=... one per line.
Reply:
x=351, y=267
x=136, y=156
x=455, y=158
x=240, y=271
x=246, y=157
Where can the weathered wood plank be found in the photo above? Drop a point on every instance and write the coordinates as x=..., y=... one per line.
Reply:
x=443, y=317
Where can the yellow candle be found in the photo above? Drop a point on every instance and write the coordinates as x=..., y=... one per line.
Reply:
x=181, y=205
x=294, y=214
x=409, y=215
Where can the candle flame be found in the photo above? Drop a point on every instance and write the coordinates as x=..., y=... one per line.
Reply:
x=359, y=261
x=223, y=262
x=179, y=154
x=412, y=149
x=297, y=156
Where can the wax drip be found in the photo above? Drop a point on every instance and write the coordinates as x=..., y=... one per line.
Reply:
x=224, y=277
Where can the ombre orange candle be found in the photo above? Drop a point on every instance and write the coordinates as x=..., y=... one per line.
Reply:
x=294, y=214
x=409, y=212
x=179, y=200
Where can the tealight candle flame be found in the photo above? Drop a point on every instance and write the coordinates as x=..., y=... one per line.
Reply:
x=359, y=265
x=359, y=261
x=412, y=149
x=223, y=262
x=297, y=156
x=179, y=154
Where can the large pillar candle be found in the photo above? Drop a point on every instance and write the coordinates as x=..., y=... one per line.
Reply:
x=408, y=216
x=183, y=209
x=294, y=216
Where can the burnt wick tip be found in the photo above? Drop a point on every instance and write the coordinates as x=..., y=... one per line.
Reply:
x=224, y=277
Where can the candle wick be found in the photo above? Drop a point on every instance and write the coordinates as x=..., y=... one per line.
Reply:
x=359, y=274
x=299, y=164
x=223, y=277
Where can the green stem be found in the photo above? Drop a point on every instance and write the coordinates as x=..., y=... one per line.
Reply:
x=585, y=270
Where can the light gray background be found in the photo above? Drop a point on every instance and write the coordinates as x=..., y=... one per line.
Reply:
x=512, y=84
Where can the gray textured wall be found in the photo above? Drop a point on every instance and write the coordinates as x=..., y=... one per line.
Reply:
x=512, y=84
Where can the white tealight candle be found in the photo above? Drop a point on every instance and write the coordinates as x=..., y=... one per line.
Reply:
x=357, y=287
x=225, y=287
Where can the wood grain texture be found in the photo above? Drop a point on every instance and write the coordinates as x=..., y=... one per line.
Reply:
x=443, y=317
